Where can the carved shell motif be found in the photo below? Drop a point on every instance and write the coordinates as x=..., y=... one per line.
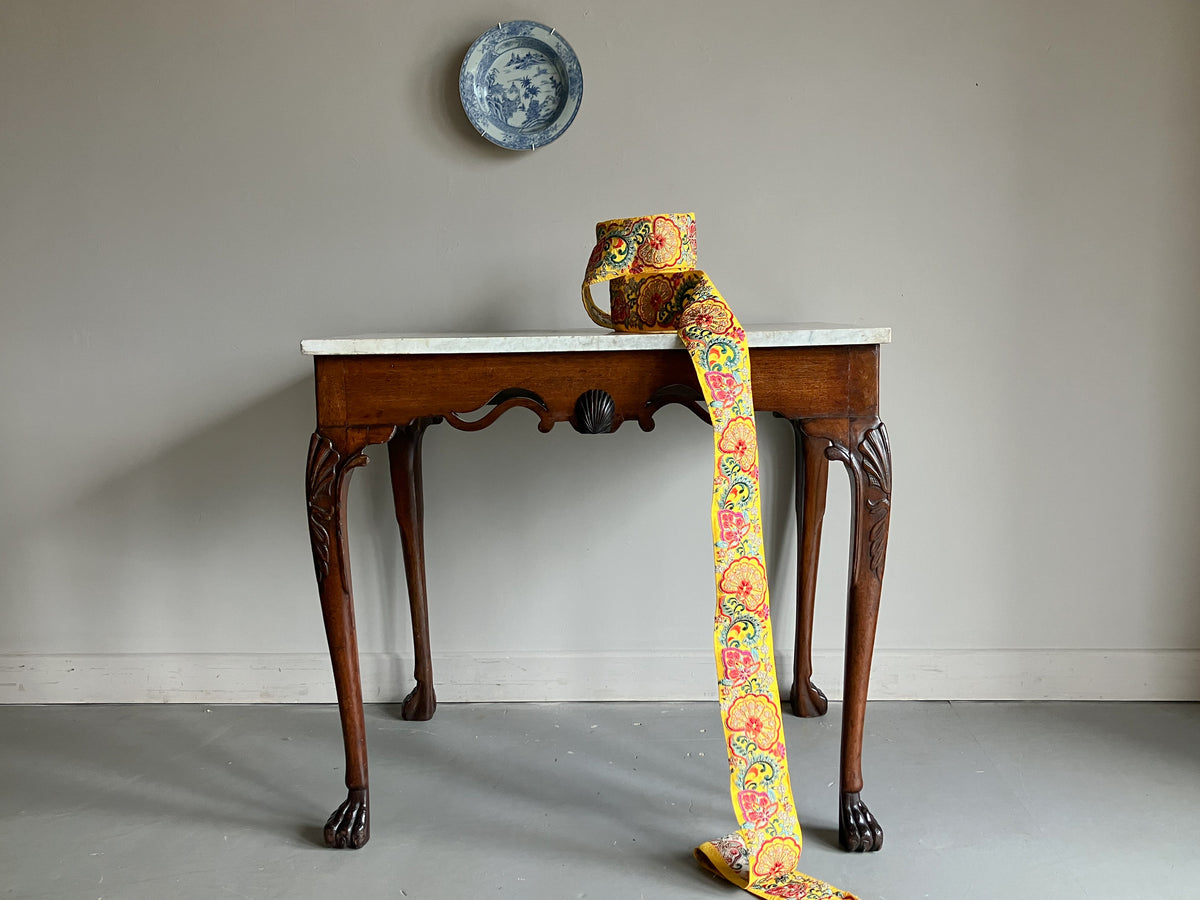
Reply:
x=594, y=412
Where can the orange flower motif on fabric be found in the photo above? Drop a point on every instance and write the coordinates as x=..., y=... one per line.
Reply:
x=739, y=665
x=663, y=246
x=708, y=315
x=776, y=857
x=740, y=441
x=756, y=717
x=655, y=293
x=746, y=579
x=724, y=388
x=756, y=808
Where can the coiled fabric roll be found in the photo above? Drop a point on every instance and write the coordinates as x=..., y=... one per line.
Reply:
x=650, y=264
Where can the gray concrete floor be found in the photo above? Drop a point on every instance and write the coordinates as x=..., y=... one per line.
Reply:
x=978, y=800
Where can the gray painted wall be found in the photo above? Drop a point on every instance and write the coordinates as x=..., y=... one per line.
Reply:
x=189, y=189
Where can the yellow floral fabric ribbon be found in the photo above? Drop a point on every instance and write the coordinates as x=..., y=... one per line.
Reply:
x=650, y=264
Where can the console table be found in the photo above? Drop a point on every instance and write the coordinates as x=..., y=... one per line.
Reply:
x=374, y=389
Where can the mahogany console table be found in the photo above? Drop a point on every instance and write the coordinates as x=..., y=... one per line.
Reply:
x=389, y=388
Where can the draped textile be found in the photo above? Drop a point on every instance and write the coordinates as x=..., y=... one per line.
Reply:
x=650, y=264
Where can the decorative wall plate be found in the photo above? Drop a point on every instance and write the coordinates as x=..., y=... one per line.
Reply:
x=520, y=85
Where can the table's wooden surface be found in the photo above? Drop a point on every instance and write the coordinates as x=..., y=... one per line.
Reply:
x=390, y=388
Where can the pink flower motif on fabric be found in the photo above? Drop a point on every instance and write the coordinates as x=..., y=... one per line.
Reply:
x=733, y=526
x=739, y=665
x=757, y=808
x=724, y=388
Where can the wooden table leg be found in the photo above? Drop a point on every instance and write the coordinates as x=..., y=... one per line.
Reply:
x=861, y=443
x=331, y=459
x=868, y=459
x=404, y=454
x=812, y=477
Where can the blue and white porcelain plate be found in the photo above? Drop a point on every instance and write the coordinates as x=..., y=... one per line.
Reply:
x=521, y=85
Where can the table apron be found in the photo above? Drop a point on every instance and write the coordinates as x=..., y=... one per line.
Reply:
x=796, y=382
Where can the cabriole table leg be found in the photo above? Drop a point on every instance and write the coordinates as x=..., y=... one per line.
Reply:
x=404, y=454
x=332, y=458
x=868, y=458
x=812, y=480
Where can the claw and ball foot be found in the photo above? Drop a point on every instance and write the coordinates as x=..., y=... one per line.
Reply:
x=858, y=832
x=350, y=825
x=420, y=704
x=808, y=700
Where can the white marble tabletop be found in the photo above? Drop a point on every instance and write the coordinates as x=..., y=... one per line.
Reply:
x=810, y=334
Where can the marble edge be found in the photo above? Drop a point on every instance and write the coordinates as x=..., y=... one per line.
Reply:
x=772, y=335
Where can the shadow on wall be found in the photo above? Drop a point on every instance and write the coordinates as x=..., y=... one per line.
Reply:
x=156, y=556
x=204, y=548
x=564, y=543
x=444, y=106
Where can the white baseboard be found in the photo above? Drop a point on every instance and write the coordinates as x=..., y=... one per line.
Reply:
x=517, y=677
